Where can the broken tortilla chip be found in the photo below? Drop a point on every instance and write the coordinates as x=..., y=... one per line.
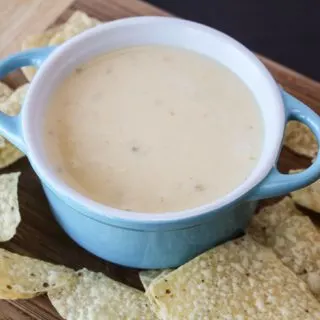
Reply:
x=147, y=276
x=300, y=139
x=9, y=206
x=240, y=279
x=77, y=23
x=268, y=218
x=23, y=277
x=94, y=296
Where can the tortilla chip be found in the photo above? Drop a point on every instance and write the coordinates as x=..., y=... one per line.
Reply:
x=9, y=154
x=40, y=40
x=94, y=296
x=296, y=241
x=37, y=41
x=300, y=139
x=76, y=24
x=268, y=218
x=12, y=105
x=147, y=276
x=308, y=197
x=291, y=235
x=240, y=279
x=9, y=206
x=5, y=92
x=23, y=277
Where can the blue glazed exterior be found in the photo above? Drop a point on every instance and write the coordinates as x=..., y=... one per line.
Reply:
x=11, y=126
x=147, y=243
x=149, y=249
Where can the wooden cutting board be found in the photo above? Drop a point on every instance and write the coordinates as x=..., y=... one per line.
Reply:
x=38, y=235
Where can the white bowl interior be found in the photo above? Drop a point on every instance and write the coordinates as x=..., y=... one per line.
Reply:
x=163, y=31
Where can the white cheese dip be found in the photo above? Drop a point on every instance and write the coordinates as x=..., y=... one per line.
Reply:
x=153, y=129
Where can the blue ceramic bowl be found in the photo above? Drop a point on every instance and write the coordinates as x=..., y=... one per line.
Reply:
x=169, y=239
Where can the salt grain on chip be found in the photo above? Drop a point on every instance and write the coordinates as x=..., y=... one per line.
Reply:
x=77, y=23
x=240, y=279
x=300, y=139
x=23, y=277
x=268, y=218
x=9, y=206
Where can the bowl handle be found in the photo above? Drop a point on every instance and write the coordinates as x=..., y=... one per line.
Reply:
x=10, y=127
x=276, y=183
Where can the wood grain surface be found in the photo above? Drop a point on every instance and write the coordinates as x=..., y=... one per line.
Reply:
x=19, y=18
x=38, y=235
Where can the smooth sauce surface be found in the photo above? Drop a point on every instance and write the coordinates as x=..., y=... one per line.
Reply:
x=153, y=129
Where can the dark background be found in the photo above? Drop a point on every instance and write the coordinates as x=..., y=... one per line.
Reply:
x=287, y=31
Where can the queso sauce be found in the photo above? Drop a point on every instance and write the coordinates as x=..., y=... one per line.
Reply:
x=153, y=129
